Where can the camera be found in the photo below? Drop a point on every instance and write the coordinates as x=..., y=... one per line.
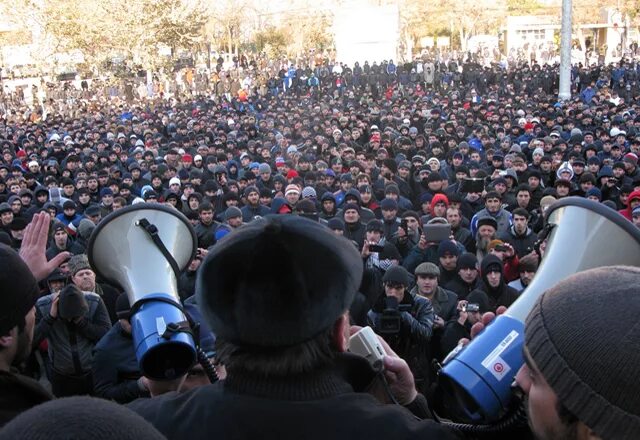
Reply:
x=376, y=248
x=472, y=307
x=390, y=321
x=404, y=224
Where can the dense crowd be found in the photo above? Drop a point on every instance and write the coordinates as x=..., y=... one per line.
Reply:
x=438, y=173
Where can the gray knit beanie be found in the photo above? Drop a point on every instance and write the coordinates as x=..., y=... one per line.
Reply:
x=584, y=337
x=79, y=418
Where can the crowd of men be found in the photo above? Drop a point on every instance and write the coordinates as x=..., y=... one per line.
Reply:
x=438, y=174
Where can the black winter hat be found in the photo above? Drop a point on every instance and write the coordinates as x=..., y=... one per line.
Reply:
x=467, y=261
x=80, y=418
x=593, y=372
x=397, y=274
x=247, y=298
x=18, y=289
x=72, y=303
x=391, y=164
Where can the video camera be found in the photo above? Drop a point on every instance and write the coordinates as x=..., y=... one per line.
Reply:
x=391, y=319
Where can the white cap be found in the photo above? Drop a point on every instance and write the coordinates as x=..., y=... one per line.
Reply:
x=174, y=180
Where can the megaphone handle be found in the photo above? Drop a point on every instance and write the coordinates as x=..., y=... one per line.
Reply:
x=152, y=231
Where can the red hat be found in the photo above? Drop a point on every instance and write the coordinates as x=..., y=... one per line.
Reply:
x=528, y=126
x=631, y=158
x=187, y=158
x=21, y=153
x=291, y=174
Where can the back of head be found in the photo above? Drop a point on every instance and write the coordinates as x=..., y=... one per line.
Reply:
x=584, y=337
x=277, y=283
x=79, y=418
x=18, y=289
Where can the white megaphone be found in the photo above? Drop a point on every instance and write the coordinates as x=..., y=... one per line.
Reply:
x=143, y=248
x=584, y=235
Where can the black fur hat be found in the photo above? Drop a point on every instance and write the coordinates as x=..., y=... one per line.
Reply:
x=277, y=281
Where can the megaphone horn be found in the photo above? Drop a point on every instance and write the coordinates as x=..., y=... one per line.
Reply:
x=481, y=374
x=143, y=248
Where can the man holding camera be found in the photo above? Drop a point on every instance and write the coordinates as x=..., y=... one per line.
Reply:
x=460, y=326
x=406, y=321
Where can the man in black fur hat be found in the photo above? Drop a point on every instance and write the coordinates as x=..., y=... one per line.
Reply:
x=284, y=342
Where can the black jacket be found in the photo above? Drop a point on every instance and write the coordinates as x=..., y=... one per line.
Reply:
x=460, y=288
x=522, y=244
x=18, y=394
x=115, y=367
x=490, y=298
x=317, y=406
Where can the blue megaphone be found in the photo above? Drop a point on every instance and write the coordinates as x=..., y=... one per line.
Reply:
x=583, y=235
x=143, y=248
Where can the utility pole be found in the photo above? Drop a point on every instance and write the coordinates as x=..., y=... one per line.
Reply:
x=565, y=52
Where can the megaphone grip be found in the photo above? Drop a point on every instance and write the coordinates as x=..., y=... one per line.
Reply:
x=162, y=352
x=484, y=371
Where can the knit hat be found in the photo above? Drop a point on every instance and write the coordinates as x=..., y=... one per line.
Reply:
x=391, y=164
x=308, y=192
x=388, y=205
x=246, y=300
x=336, y=223
x=375, y=225
x=397, y=274
x=467, y=261
x=594, y=192
x=292, y=189
x=85, y=228
x=174, y=181
x=349, y=206
x=18, y=289
x=106, y=192
x=264, y=168
x=249, y=189
x=78, y=263
x=72, y=303
x=447, y=247
x=232, y=212
x=594, y=373
x=427, y=269
x=80, y=418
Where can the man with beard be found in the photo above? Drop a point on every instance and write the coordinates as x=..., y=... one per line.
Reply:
x=527, y=268
x=493, y=291
x=17, y=321
x=580, y=382
x=487, y=227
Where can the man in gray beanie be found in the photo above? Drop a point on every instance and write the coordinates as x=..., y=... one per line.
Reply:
x=582, y=352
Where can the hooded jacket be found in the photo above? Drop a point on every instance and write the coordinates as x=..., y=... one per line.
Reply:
x=626, y=212
x=490, y=298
